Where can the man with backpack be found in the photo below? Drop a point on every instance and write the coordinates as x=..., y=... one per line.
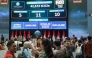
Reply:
x=79, y=49
x=59, y=52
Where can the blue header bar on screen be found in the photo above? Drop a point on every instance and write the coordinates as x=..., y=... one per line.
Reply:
x=39, y=25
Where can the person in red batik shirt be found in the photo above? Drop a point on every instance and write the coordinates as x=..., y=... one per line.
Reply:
x=11, y=50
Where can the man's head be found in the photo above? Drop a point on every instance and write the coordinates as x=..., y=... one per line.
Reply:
x=67, y=39
x=2, y=35
x=15, y=39
x=57, y=43
x=73, y=35
x=11, y=46
x=79, y=41
x=89, y=38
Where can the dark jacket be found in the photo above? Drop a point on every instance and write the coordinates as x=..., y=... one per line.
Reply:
x=60, y=52
x=2, y=38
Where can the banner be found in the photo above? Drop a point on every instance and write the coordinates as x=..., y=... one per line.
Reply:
x=39, y=25
x=52, y=25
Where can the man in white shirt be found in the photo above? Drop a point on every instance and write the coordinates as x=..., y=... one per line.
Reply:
x=20, y=38
x=17, y=42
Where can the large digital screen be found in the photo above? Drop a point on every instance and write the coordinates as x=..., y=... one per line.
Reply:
x=38, y=14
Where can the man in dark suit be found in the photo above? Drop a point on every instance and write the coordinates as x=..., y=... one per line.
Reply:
x=2, y=37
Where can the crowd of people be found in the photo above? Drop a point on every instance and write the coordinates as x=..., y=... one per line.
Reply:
x=47, y=48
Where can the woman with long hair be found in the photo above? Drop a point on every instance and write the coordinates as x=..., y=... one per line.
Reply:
x=46, y=49
x=25, y=51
